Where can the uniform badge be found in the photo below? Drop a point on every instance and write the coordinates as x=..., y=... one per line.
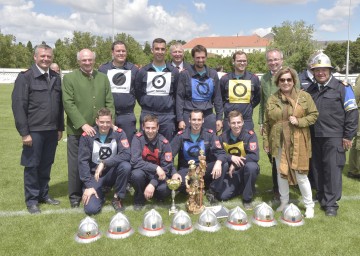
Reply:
x=168, y=156
x=253, y=146
x=217, y=144
x=125, y=143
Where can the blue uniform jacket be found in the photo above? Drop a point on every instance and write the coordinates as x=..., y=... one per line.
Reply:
x=156, y=104
x=246, y=109
x=201, y=92
x=87, y=167
x=305, y=80
x=189, y=150
x=124, y=102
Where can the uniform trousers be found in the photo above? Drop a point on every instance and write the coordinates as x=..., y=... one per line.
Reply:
x=74, y=182
x=127, y=122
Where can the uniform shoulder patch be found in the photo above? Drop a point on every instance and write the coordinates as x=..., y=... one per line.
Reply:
x=138, y=134
x=119, y=130
x=180, y=132
x=253, y=146
x=210, y=131
x=165, y=141
x=125, y=143
x=168, y=156
x=251, y=132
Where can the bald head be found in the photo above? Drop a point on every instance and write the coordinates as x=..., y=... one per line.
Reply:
x=55, y=67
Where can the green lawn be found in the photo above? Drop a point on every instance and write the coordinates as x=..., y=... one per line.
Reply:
x=52, y=232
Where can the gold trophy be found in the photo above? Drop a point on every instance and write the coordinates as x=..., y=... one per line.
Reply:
x=173, y=184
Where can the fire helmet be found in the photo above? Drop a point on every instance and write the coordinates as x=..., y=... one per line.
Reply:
x=321, y=60
x=208, y=221
x=264, y=215
x=237, y=219
x=119, y=227
x=181, y=224
x=88, y=231
x=291, y=215
x=152, y=224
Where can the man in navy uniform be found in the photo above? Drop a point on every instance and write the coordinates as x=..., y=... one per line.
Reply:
x=155, y=88
x=104, y=161
x=189, y=142
x=152, y=163
x=242, y=150
x=121, y=74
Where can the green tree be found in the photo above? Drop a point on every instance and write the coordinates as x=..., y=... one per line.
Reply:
x=257, y=62
x=337, y=55
x=6, y=42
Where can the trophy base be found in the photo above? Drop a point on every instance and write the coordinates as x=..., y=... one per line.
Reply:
x=195, y=210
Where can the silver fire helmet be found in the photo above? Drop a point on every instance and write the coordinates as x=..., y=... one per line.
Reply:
x=152, y=224
x=321, y=60
x=208, y=221
x=237, y=219
x=119, y=227
x=264, y=215
x=88, y=231
x=291, y=215
x=181, y=224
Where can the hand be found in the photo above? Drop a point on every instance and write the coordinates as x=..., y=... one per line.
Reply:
x=161, y=173
x=88, y=194
x=88, y=130
x=98, y=171
x=238, y=160
x=149, y=191
x=176, y=176
x=59, y=135
x=261, y=129
x=347, y=144
x=114, y=127
x=231, y=170
x=216, y=171
x=27, y=140
x=182, y=125
x=219, y=125
x=293, y=120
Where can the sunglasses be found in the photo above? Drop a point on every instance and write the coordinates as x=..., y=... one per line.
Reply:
x=282, y=80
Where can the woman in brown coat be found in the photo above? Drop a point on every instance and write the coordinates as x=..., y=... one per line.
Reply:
x=288, y=115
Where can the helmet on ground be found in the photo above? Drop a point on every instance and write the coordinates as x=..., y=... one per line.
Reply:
x=88, y=231
x=152, y=224
x=321, y=60
x=119, y=227
x=237, y=219
x=181, y=224
x=291, y=215
x=264, y=215
x=208, y=221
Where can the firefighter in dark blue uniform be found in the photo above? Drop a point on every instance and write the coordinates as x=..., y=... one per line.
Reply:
x=104, y=160
x=199, y=89
x=242, y=151
x=240, y=91
x=152, y=163
x=155, y=88
x=188, y=143
x=121, y=74
x=332, y=133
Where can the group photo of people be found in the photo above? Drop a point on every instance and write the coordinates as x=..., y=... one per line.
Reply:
x=307, y=123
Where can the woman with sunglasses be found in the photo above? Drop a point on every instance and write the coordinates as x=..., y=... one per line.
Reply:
x=289, y=113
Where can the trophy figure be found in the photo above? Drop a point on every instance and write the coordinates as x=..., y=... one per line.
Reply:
x=173, y=184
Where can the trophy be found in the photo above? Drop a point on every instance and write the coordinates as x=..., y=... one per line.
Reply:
x=173, y=184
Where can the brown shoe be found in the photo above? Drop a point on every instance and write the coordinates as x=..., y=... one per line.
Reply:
x=117, y=204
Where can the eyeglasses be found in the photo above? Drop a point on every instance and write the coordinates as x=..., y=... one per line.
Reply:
x=282, y=80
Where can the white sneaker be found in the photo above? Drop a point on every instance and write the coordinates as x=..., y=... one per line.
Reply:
x=309, y=213
x=281, y=207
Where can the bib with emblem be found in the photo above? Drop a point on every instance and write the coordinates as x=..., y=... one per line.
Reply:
x=202, y=90
x=120, y=80
x=158, y=83
x=102, y=151
x=239, y=91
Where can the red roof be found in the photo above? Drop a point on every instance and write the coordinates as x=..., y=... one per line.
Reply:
x=229, y=42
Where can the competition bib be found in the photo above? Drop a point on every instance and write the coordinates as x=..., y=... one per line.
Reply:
x=151, y=156
x=191, y=150
x=102, y=151
x=158, y=83
x=120, y=80
x=239, y=91
x=236, y=149
x=202, y=90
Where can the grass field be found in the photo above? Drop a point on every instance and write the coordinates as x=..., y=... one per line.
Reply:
x=52, y=232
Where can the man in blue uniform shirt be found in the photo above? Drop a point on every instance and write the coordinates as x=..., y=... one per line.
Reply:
x=104, y=161
x=189, y=142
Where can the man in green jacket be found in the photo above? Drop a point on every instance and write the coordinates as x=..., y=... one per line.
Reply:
x=85, y=91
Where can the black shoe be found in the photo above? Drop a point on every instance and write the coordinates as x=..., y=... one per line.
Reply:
x=117, y=204
x=331, y=212
x=353, y=176
x=50, y=201
x=210, y=196
x=34, y=209
x=138, y=207
x=75, y=204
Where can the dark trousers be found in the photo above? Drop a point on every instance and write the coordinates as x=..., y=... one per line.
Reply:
x=140, y=179
x=37, y=161
x=242, y=182
x=209, y=120
x=127, y=122
x=274, y=174
x=116, y=176
x=328, y=159
x=166, y=124
x=74, y=182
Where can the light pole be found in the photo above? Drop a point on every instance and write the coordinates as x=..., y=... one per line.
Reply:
x=113, y=20
x=348, y=47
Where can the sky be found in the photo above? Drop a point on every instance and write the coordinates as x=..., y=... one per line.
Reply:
x=49, y=20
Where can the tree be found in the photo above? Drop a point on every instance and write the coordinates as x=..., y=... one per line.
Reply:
x=295, y=40
x=6, y=59
x=337, y=55
x=256, y=62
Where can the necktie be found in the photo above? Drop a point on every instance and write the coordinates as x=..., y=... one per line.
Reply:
x=321, y=88
x=47, y=77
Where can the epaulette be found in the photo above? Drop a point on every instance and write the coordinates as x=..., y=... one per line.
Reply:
x=138, y=134
x=210, y=131
x=251, y=132
x=180, y=132
x=83, y=134
x=119, y=130
x=165, y=141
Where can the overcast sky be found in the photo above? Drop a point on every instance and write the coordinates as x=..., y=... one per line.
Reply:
x=49, y=20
